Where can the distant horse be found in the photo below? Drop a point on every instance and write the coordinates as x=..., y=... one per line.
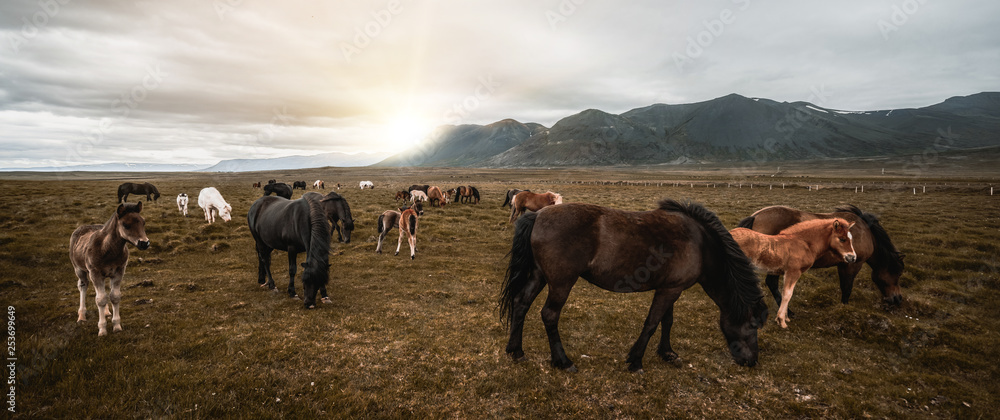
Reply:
x=338, y=212
x=871, y=242
x=211, y=201
x=667, y=250
x=434, y=194
x=417, y=196
x=408, y=227
x=293, y=226
x=390, y=219
x=271, y=181
x=98, y=252
x=338, y=185
x=792, y=251
x=423, y=188
x=256, y=184
x=319, y=185
x=366, y=184
x=402, y=195
x=475, y=194
x=527, y=200
x=299, y=184
x=280, y=190
x=508, y=201
x=466, y=194
x=145, y=188
x=182, y=204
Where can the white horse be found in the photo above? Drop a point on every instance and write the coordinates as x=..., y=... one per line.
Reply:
x=417, y=195
x=182, y=204
x=319, y=184
x=366, y=184
x=210, y=200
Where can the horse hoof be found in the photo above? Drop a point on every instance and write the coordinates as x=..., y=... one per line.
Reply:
x=571, y=369
x=326, y=300
x=118, y=328
x=102, y=333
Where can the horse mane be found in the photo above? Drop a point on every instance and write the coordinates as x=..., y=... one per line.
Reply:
x=808, y=224
x=318, y=255
x=885, y=250
x=739, y=273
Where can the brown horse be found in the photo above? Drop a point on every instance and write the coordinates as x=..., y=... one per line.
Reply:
x=509, y=198
x=390, y=219
x=147, y=189
x=408, y=226
x=792, y=251
x=871, y=242
x=464, y=194
x=98, y=252
x=435, y=194
x=666, y=250
x=402, y=195
x=527, y=200
x=256, y=184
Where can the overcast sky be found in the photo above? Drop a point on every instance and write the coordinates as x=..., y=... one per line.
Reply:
x=204, y=80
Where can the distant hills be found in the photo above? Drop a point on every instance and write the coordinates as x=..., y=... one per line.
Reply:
x=297, y=162
x=732, y=128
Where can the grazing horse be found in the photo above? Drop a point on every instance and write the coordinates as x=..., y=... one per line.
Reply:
x=402, y=195
x=423, y=188
x=293, y=226
x=408, y=227
x=338, y=212
x=871, y=242
x=299, y=184
x=319, y=184
x=666, y=250
x=271, y=181
x=366, y=184
x=417, y=196
x=390, y=219
x=145, y=188
x=211, y=201
x=256, y=184
x=280, y=190
x=182, y=204
x=527, y=200
x=98, y=252
x=434, y=194
x=509, y=200
x=475, y=194
x=466, y=194
x=792, y=251
x=338, y=185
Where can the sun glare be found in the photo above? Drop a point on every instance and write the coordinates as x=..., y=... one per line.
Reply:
x=405, y=131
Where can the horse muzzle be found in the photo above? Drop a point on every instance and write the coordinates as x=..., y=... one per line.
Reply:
x=850, y=258
x=142, y=245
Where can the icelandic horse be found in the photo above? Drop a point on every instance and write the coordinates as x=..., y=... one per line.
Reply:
x=527, y=200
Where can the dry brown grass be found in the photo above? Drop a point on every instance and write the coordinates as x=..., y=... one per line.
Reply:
x=422, y=338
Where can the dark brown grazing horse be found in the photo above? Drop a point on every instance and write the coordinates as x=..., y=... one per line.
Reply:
x=509, y=199
x=792, y=251
x=256, y=184
x=871, y=243
x=279, y=189
x=464, y=194
x=145, y=189
x=666, y=250
x=402, y=195
x=527, y=200
x=423, y=188
x=98, y=252
x=299, y=184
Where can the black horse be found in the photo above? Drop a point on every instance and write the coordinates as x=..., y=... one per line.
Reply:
x=293, y=226
x=145, y=188
x=338, y=212
x=510, y=197
x=423, y=188
x=299, y=184
x=475, y=194
x=280, y=189
x=666, y=250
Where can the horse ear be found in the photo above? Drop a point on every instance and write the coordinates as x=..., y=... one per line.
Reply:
x=121, y=210
x=836, y=224
x=852, y=225
x=139, y=207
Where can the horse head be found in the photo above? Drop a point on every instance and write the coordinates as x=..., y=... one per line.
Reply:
x=226, y=212
x=741, y=333
x=841, y=240
x=336, y=208
x=131, y=225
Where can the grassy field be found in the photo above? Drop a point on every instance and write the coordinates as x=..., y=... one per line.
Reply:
x=423, y=338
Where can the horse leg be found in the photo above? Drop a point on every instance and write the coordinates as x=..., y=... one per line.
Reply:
x=381, y=237
x=324, y=297
x=558, y=292
x=412, y=239
x=665, y=351
x=116, y=298
x=791, y=276
x=102, y=302
x=291, y=272
x=81, y=283
x=522, y=303
x=847, y=273
x=402, y=231
x=771, y=280
x=662, y=301
x=264, y=266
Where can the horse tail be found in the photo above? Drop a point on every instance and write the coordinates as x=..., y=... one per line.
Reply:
x=381, y=227
x=747, y=222
x=736, y=267
x=318, y=255
x=413, y=224
x=885, y=250
x=506, y=199
x=520, y=268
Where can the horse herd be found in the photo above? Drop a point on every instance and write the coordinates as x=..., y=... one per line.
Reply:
x=666, y=250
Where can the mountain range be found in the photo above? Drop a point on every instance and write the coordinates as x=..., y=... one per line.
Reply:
x=732, y=128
